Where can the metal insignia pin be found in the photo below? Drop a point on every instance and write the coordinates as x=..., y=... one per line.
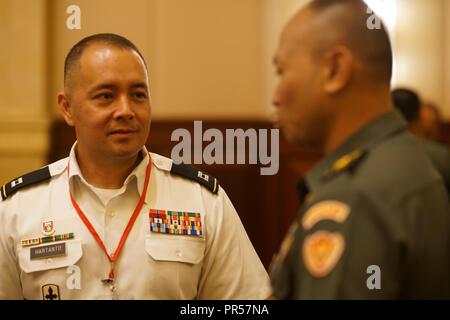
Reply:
x=48, y=228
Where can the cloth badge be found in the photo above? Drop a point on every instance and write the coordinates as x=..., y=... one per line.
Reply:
x=322, y=251
x=50, y=292
x=176, y=222
x=326, y=210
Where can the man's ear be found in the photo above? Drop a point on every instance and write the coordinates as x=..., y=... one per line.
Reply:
x=339, y=64
x=65, y=108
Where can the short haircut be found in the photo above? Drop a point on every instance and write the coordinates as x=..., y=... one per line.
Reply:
x=77, y=50
x=407, y=102
x=372, y=46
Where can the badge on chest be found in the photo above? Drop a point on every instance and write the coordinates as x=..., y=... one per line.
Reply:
x=176, y=222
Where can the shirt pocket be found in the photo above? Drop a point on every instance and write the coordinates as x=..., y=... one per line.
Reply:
x=74, y=252
x=172, y=248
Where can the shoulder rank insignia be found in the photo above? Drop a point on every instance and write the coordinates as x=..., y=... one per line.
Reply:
x=348, y=161
x=192, y=173
x=25, y=181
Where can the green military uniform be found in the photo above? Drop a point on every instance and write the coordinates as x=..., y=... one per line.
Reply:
x=375, y=224
x=440, y=156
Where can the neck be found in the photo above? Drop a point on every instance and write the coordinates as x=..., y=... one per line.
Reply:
x=105, y=174
x=354, y=117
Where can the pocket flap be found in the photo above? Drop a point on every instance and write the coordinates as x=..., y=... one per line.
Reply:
x=74, y=252
x=175, y=248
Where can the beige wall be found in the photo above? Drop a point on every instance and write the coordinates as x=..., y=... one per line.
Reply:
x=24, y=117
x=135, y=20
x=421, y=47
x=446, y=65
x=207, y=58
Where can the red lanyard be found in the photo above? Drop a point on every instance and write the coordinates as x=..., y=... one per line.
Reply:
x=137, y=210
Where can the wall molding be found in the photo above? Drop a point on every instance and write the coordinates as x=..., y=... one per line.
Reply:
x=24, y=137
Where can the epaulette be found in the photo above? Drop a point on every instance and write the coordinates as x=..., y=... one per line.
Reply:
x=192, y=173
x=346, y=162
x=25, y=181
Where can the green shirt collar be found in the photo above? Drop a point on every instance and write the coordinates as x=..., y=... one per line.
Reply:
x=365, y=138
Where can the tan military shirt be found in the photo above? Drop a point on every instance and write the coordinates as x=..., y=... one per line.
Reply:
x=219, y=263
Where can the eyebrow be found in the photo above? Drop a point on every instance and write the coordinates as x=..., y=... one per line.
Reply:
x=101, y=86
x=111, y=86
x=141, y=85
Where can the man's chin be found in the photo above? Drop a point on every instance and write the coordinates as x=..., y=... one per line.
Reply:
x=289, y=135
x=125, y=152
x=298, y=140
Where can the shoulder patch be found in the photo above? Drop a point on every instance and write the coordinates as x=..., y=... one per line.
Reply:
x=322, y=251
x=346, y=162
x=192, y=173
x=325, y=210
x=25, y=181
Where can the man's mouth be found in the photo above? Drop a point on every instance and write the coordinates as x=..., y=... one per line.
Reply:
x=275, y=119
x=123, y=132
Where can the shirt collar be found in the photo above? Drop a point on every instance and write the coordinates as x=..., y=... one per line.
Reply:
x=365, y=138
x=138, y=174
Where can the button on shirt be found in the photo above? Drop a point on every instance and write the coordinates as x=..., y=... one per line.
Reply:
x=219, y=264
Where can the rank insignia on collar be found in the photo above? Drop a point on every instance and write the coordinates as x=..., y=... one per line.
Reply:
x=347, y=161
x=176, y=222
x=322, y=251
x=50, y=292
x=48, y=228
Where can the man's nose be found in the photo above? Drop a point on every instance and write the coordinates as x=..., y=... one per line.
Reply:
x=124, y=108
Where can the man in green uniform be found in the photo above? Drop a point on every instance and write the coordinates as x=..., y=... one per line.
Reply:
x=375, y=223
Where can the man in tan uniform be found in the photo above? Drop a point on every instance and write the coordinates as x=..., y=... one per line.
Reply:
x=113, y=221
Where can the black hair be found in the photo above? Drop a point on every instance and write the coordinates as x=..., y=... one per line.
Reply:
x=407, y=102
x=110, y=38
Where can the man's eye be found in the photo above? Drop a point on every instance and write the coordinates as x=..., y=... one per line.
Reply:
x=104, y=96
x=140, y=95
